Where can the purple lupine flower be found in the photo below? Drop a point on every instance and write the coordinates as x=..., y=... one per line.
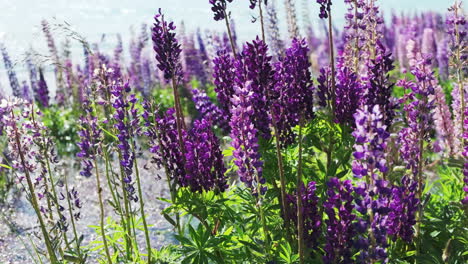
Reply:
x=204, y=167
x=127, y=125
x=244, y=136
x=219, y=8
x=312, y=219
x=403, y=205
x=348, y=96
x=457, y=115
x=25, y=91
x=90, y=137
x=14, y=84
x=135, y=69
x=443, y=120
x=118, y=49
x=428, y=44
x=41, y=95
x=379, y=90
x=293, y=95
x=208, y=110
x=224, y=79
x=340, y=230
x=253, y=3
x=167, y=48
x=443, y=58
x=370, y=133
x=324, y=87
x=254, y=65
x=193, y=61
x=325, y=8
x=273, y=34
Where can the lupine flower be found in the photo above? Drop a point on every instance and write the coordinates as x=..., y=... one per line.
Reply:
x=219, y=8
x=41, y=95
x=166, y=47
x=90, y=137
x=135, y=70
x=60, y=93
x=291, y=19
x=443, y=58
x=340, y=230
x=118, y=49
x=370, y=134
x=245, y=138
x=428, y=45
x=14, y=84
x=325, y=8
x=465, y=154
x=254, y=65
x=324, y=87
x=312, y=219
x=443, y=120
x=208, y=110
x=379, y=90
x=224, y=79
x=293, y=90
x=273, y=34
x=253, y=3
x=32, y=72
x=192, y=60
x=127, y=125
x=205, y=167
x=348, y=96
x=403, y=207
x=457, y=116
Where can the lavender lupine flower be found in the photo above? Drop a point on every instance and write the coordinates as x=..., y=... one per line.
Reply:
x=291, y=18
x=293, y=90
x=127, y=125
x=312, y=219
x=340, y=230
x=325, y=7
x=403, y=205
x=224, y=79
x=457, y=116
x=192, y=60
x=219, y=8
x=90, y=137
x=41, y=95
x=60, y=92
x=370, y=133
x=273, y=34
x=208, y=110
x=135, y=70
x=245, y=138
x=205, y=167
x=166, y=47
x=14, y=84
x=443, y=58
x=118, y=49
x=465, y=154
x=443, y=120
x=254, y=65
x=428, y=44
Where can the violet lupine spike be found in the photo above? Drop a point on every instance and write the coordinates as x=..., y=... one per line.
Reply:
x=41, y=95
x=90, y=137
x=293, y=91
x=379, y=90
x=194, y=64
x=312, y=218
x=371, y=134
x=245, y=138
x=403, y=207
x=219, y=8
x=136, y=48
x=324, y=87
x=428, y=44
x=443, y=58
x=25, y=91
x=14, y=84
x=205, y=166
x=32, y=70
x=254, y=65
x=127, y=124
x=224, y=79
x=167, y=48
x=253, y=3
x=273, y=34
x=457, y=116
x=443, y=120
x=340, y=230
x=348, y=96
x=118, y=49
x=209, y=111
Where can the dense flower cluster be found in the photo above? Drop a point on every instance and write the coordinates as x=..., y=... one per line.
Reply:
x=245, y=137
x=204, y=160
x=348, y=96
x=254, y=66
x=325, y=7
x=42, y=92
x=224, y=79
x=166, y=47
x=293, y=95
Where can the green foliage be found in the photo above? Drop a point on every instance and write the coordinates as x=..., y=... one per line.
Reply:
x=63, y=126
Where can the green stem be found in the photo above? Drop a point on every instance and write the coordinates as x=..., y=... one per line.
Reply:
x=101, y=207
x=300, y=219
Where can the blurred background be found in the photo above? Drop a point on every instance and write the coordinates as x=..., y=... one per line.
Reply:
x=101, y=20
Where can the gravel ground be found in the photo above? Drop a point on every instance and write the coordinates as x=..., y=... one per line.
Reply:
x=18, y=224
